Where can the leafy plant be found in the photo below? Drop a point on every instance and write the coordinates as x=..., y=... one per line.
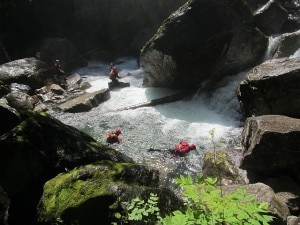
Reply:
x=205, y=205
x=140, y=210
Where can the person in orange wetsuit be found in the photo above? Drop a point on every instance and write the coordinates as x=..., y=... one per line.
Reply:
x=113, y=137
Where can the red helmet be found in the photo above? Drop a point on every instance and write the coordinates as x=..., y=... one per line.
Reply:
x=192, y=146
x=118, y=131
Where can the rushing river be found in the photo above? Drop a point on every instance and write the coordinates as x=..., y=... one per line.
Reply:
x=162, y=126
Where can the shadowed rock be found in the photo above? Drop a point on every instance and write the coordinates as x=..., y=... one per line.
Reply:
x=9, y=115
x=271, y=146
x=203, y=40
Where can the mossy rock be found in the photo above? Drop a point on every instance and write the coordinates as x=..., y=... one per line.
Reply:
x=92, y=193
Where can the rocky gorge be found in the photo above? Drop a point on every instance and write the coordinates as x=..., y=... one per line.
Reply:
x=52, y=173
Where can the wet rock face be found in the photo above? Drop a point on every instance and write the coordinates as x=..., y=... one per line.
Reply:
x=202, y=40
x=271, y=88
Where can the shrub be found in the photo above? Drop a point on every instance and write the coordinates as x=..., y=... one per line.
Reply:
x=205, y=205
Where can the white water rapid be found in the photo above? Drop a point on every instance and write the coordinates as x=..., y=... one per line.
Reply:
x=162, y=126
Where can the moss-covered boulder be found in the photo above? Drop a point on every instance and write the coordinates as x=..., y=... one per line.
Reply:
x=92, y=193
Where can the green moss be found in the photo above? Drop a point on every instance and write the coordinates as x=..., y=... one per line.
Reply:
x=20, y=139
x=43, y=114
x=75, y=187
x=94, y=144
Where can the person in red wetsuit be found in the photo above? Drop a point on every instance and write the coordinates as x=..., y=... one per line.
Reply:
x=182, y=148
x=113, y=137
x=113, y=73
x=61, y=75
x=58, y=67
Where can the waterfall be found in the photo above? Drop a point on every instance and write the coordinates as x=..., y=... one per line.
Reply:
x=273, y=42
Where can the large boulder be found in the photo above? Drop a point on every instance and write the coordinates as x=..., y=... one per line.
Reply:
x=29, y=71
x=200, y=41
x=19, y=100
x=271, y=147
x=93, y=193
x=38, y=149
x=271, y=88
x=271, y=17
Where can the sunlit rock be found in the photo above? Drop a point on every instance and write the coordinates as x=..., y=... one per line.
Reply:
x=85, y=102
x=19, y=100
x=29, y=71
x=271, y=88
x=221, y=165
x=265, y=194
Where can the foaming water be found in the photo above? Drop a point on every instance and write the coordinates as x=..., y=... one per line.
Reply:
x=162, y=126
